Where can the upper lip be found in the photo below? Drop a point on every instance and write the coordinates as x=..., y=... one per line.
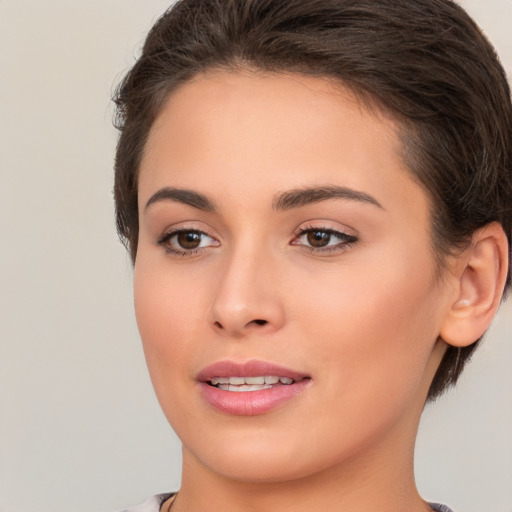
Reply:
x=253, y=368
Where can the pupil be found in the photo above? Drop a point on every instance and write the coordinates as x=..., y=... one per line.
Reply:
x=189, y=240
x=318, y=238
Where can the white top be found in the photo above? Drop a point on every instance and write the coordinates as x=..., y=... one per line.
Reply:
x=155, y=502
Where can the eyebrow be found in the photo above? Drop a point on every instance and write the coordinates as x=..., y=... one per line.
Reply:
x=288, y=200
x=305, y=196
x=184, y=196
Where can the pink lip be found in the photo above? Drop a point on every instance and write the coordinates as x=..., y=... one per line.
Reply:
x=250, y=403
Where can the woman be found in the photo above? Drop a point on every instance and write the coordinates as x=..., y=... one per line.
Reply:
x=316, y=199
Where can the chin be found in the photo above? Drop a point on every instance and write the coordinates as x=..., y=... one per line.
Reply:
x=260, y=467
x=260, y=456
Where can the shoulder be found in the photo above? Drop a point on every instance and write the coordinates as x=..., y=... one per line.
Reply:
x=152, y=505
x=437, y=507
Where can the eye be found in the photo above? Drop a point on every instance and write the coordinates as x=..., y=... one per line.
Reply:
x=323, y=239
x=186, y=241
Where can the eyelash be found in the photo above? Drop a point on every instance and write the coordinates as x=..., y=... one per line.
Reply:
x=166, y=239
x=345, y=240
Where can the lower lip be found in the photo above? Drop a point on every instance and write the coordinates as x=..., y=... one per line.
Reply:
x=252, y=403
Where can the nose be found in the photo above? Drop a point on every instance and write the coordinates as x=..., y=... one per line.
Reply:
x=247, y=298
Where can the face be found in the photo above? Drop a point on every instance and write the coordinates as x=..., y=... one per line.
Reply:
x=285, y=286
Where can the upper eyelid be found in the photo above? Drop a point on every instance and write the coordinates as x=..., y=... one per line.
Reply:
x=325, y=226
x=326, y=230
x=335, y=232
x=180, y=227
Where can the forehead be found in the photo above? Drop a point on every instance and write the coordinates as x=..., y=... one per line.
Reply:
x=254, y=99
x=245, y=132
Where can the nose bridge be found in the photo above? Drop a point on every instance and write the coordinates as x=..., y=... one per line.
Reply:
x=246, y=295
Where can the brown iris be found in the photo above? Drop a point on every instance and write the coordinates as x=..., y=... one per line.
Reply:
x=318, y=238
x=189, y=239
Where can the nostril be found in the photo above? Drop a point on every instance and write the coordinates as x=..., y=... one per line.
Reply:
x=260, y=322
x=218, y=324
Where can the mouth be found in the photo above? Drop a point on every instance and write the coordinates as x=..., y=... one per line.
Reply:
x=250, y=388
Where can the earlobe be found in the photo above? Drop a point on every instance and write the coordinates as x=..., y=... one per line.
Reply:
x=480, y=280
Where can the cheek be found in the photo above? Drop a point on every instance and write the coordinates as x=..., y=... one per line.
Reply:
x=377, y=326
x=168, y=312
x=370, y=340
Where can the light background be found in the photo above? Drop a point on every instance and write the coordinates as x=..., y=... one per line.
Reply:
x=80, y=429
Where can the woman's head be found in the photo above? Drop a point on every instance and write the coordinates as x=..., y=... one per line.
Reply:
x=422, y=62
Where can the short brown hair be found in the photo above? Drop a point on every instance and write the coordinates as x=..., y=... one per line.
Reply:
x=424, y=61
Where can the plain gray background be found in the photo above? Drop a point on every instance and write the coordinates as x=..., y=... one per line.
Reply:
x=80, y=429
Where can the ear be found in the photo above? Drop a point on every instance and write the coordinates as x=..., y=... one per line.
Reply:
x=479, y=276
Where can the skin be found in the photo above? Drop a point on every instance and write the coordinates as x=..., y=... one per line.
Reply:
x=361, y=319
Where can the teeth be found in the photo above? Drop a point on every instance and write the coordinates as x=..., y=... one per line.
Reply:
x=220, y=380
x=255, y=380
x=244, y=387
x=249, y=383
